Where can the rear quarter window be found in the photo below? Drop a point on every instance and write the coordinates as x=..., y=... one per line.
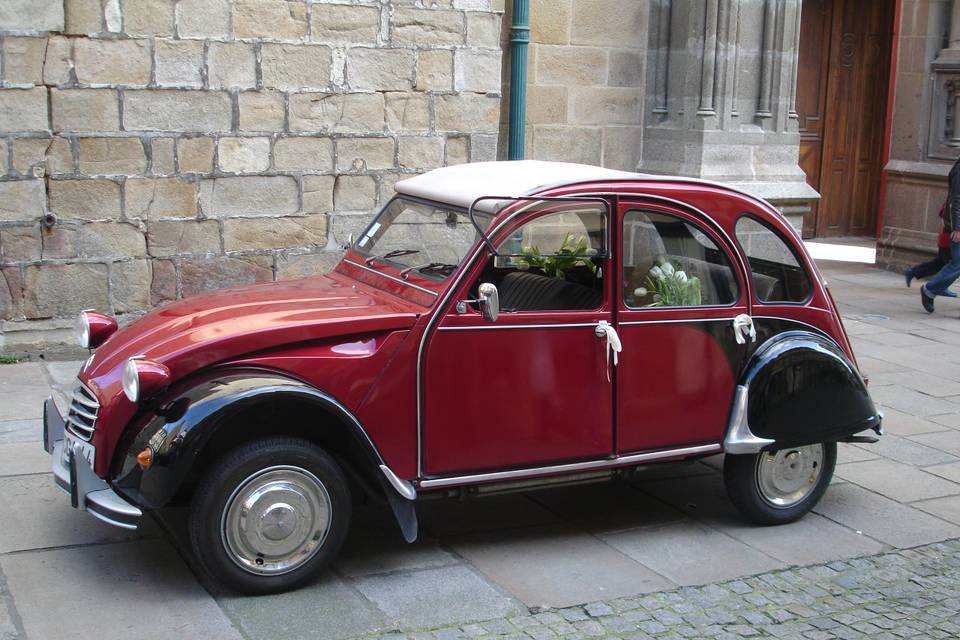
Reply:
x=778, y=274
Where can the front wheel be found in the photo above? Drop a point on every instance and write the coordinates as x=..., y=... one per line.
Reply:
x=777, y=487
x=270, y=515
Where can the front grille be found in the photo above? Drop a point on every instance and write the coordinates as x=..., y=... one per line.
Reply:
x=82, y=417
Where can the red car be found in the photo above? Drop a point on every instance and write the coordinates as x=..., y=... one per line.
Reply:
x=496, y=326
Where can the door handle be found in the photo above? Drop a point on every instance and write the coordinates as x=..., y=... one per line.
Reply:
x=605, y=330
x=743, y=328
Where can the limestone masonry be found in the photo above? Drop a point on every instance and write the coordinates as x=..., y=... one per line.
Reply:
x=152, y=149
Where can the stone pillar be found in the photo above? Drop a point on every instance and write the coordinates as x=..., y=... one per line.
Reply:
x=724, y=78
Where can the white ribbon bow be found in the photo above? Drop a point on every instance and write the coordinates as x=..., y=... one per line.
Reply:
x=613, y=341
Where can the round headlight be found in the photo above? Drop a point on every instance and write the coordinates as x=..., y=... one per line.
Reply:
x=93, y=328
x=142, y=378
x=82, y=329
x=131, y=380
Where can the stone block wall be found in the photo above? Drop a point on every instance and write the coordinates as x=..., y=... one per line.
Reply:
x=586, y=78
x=153, y=149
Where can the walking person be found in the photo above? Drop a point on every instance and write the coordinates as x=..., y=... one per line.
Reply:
x=938, y=284
x=930, y=267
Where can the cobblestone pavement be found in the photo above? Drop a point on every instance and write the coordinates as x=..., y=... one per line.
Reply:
x=913, y=593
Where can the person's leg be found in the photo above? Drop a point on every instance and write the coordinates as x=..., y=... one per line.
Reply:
x=938, y=284
x=929, y=267
x=943, y=255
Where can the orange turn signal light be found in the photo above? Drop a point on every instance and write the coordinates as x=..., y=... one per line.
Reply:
x=145, y=458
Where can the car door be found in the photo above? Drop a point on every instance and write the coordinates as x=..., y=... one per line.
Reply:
x=684, y=324
x=533, y=387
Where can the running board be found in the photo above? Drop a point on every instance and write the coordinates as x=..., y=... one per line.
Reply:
x=606, y=463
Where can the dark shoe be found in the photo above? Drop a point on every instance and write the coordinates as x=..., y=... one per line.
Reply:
x=926, y=299
x=908, y=276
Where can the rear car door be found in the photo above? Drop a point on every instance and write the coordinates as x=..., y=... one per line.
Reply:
x=683, y=319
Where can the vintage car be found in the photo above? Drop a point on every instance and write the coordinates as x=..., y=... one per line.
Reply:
x=496, y=327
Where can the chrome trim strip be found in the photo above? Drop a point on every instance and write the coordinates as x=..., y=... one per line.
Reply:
x=739, y=438
x=519, y=326
x=390, y=277
x=636, y=323
x=564, y=468
x=403, y=487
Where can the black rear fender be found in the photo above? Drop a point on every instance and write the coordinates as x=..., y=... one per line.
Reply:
x=799, y=388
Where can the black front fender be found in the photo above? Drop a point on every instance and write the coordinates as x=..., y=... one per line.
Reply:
x=802, y=389
x=190, y=415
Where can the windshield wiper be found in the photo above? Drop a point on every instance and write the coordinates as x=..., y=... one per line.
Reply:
x=442, y=268
x=396, y=253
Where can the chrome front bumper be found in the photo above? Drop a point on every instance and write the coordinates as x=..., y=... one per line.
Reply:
x=73, y=474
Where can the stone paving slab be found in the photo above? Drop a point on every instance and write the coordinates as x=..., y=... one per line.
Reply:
x=133, y=590
x=375, y=545
x=37, y=515
x=687, y=553
x=950, y=471
x=898, y=481
x=882, y=518
x=435, y=597
x=21, y=430
x=607, y=507
x=449, y=518
x=945, y=508
x=908, y=451
x=23, y=458
x=329, y=608
x=903, y=424
x=557, y=566
x=948, y=441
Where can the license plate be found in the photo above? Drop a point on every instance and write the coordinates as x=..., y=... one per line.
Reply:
x=84, y=450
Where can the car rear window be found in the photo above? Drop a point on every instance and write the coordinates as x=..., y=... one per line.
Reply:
x=778, y=274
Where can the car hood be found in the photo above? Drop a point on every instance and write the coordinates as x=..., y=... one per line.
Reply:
x=206, y=329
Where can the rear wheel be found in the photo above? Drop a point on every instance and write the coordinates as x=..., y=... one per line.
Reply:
x=776, y=487
x=270, y=515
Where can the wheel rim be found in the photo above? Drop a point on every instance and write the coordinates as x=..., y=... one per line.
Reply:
x=276, y=520
x=786, y=477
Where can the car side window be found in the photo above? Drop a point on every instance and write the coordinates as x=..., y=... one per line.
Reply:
x=670, y=262
x=778, y=275
x=554, y=262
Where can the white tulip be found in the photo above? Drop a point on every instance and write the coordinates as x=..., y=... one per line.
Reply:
x=657, y=273
x=640, y=292
x=667, y=268
x=681, y=276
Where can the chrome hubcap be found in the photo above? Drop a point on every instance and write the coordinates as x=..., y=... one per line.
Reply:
x=276, y=520
x=786, y=477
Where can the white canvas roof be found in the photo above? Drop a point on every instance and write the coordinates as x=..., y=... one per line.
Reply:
x=462, y=184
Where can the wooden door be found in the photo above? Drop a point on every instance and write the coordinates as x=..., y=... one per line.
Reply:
x=841, y=100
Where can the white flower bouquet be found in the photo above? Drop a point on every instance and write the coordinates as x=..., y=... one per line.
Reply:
x=671, y=286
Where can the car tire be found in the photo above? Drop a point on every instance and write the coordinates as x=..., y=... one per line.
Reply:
x=270, y=515
x=777, y=487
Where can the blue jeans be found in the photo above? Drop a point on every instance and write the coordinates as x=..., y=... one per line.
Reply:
x=938, y=284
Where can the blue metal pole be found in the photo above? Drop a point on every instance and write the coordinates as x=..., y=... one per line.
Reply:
x=519, y=39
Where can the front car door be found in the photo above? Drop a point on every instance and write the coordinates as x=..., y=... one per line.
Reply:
x=533, y=387
x=681, y=293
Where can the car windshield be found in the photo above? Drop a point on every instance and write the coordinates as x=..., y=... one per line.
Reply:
x=428, y=239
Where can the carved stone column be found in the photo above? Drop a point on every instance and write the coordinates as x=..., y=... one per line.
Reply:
x=723, y=74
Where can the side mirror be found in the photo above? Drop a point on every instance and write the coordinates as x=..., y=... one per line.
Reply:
x=489, y=301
